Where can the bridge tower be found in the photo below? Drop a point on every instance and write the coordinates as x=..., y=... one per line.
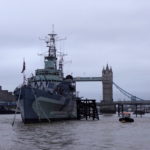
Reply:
x=107, y=80
x=107, y=83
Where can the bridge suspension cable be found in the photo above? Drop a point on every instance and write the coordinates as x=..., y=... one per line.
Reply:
x=127, y=94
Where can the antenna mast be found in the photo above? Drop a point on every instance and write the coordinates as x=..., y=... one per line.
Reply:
x=51, y=44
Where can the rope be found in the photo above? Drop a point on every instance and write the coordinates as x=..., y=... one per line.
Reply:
x=16, y=107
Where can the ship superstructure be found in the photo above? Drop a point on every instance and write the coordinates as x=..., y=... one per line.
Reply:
x=47, y=94
x=50, y=75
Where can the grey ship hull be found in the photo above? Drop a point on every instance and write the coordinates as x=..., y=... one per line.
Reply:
x=38, y=105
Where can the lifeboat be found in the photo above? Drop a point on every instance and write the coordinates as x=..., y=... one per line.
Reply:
x=126, y=117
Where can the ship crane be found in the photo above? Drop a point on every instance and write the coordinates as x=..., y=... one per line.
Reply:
x=61, y=62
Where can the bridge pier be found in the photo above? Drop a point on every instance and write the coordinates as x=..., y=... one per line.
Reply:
x=120, y=109
x=106, y=108
x=136, y=110
x=140, y=111
x=87, y=109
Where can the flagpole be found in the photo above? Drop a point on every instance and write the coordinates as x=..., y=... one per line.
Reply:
x=24, y=78
x=24, y=82
x=23, y=71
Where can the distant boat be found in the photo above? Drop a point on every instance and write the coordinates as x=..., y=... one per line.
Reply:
x=126, y=117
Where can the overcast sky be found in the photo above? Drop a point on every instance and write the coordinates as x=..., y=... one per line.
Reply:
x=98, y=32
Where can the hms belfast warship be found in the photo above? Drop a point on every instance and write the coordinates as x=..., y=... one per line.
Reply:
x=48, y=95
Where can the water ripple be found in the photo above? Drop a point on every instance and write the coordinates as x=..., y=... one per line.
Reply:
x=106, y=134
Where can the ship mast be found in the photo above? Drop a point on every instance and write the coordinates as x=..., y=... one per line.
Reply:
x=51, y=49
x=51, y=58
x=51, y=45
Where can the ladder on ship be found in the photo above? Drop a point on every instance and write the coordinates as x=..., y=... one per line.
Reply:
x=87, y=109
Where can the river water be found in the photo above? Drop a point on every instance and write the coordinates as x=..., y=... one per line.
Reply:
x=106, y=134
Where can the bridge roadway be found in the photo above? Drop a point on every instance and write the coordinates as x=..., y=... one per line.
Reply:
x=81, y=79
x=142, y=102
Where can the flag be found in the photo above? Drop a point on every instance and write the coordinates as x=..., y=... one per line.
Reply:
x=24, y=67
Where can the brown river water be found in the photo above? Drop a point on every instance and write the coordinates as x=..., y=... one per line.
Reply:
x=105, y=134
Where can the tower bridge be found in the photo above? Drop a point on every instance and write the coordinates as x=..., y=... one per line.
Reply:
x=107, y=104
x=107, y=80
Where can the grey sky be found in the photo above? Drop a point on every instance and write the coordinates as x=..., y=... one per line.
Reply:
x=98, y=32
